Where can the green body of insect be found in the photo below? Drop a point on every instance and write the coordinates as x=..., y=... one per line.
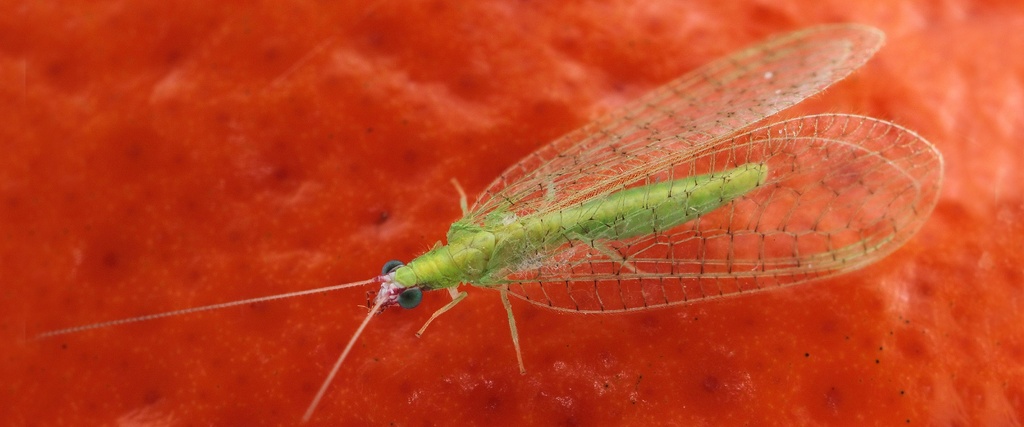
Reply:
x=474, y=252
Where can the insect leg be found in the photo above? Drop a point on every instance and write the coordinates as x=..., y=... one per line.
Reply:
x=456, y=298
x=463, y=200
x=609, y=252
x=512, y=326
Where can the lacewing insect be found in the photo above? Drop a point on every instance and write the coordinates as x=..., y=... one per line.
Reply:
x=676, y=198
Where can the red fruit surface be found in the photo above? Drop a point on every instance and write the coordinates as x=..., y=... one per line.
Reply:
x=164, y=155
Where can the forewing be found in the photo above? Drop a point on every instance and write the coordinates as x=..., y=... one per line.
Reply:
x=841, y=192
x=700, y=107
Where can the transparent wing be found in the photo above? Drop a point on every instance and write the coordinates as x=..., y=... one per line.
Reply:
x=842, y=191
x=710, y=102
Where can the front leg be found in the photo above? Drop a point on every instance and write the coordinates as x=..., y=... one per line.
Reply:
x=456, y=298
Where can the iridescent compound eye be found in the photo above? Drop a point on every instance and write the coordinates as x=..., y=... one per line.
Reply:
x=391, y=266
x=410, y=298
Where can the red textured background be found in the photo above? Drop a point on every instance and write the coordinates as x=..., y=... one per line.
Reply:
x=162, y=155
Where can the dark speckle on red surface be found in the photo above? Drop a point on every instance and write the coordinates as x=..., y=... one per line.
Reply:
x=175, y=154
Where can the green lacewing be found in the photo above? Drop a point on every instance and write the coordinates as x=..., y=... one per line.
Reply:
x=680, y=196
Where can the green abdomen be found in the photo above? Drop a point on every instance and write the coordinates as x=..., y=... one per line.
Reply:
x=652, y=208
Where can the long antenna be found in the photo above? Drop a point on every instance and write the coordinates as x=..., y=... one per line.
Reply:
x=203, y=308
x=337, y=364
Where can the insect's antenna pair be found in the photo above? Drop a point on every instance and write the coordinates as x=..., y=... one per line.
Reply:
x=337, y=364
x=203, y=308
x=334, y=370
